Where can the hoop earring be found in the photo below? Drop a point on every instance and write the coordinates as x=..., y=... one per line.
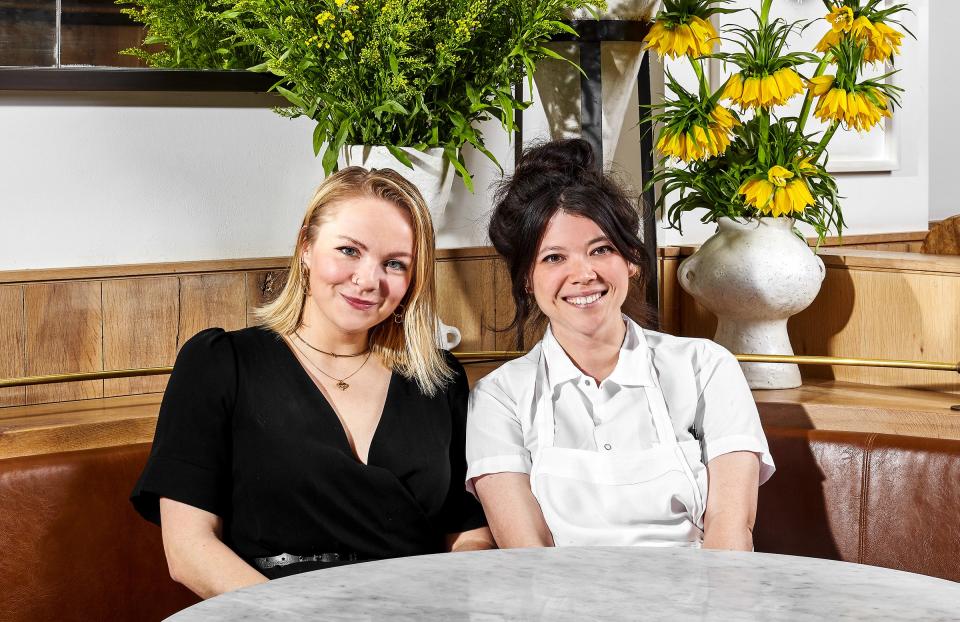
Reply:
x=398, y=315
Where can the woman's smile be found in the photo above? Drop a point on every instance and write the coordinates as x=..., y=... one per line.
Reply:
x=585, y=300
x=359, y=303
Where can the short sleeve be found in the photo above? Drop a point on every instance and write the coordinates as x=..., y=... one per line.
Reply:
x=190, y=458
x=726, y=413
x=461, y=511
x=494, y=433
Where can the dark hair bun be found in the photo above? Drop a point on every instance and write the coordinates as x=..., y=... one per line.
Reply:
x=572, y=157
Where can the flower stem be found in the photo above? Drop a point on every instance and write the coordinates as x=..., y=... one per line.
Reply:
x=808, y=100
x=823, y=141
x=698, y=69
x=764, y=117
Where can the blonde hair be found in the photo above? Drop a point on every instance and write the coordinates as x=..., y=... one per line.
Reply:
x=408, y=347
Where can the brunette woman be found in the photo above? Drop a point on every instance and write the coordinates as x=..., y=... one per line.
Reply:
x=606, y=432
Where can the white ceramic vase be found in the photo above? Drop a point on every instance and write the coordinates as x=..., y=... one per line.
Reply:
x=432, y=172
x=753, y=275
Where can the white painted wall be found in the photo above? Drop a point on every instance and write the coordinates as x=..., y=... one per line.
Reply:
x=135, y=178
x=944, y=93
x=131, y=178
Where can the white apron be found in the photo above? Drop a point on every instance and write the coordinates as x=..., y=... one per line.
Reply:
x=654, y=497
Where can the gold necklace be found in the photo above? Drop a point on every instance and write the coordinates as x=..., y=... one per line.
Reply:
x=341, y=382
x=333, y=354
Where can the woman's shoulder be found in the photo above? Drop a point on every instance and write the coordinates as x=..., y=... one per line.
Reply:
x=698, y=352
x=513, y=377
x=217, y=344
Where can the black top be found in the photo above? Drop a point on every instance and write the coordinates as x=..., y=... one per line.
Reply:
x=245, y=433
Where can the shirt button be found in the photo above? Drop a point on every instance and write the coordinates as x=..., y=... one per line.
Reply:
x=586, y=383
x=607, y=447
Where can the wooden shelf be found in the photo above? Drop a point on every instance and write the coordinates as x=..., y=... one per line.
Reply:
x=131, y=79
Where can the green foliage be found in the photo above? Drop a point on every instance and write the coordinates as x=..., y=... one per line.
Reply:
x=399, y=73
x=187, y=34
x=762, y=48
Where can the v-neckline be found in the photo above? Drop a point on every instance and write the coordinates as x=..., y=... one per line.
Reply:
x=331, y=412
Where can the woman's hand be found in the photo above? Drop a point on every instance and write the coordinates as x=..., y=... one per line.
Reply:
x=513, y=512
x=474, y=540
x=196, y=556
x=731, y=501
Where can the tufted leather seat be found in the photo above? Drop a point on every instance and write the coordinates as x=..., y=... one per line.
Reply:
x=878, y=499
x=74, y=548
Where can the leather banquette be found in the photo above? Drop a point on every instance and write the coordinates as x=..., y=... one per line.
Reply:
x=74, y=549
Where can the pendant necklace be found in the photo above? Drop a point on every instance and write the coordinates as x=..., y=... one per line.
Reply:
x=341, y=382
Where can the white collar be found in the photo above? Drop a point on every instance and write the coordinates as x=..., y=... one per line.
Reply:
x=633, y=362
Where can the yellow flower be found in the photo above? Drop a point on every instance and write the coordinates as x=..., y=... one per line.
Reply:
x=779, y=194
x=324, y=17
x=883, y=42
x=828, y=40
x=819, y=85
x=699, y=142
x=778, y=176
x=859, y=110
x=841, y=22
x=340, y=3
x=805, y=167
x=840, y=18
x=353, y=8
x=695, y=38
x=347, y=36
x=763, y=91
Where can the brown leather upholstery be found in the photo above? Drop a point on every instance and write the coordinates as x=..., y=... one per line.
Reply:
x=878, y=499
x=73, y=547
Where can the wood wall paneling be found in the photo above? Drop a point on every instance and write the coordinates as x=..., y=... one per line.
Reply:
x=208, y=300
x=64, y=333
x=12, y=343
x=139, y=330
x=262, y=287
x=883, y=314
x=867, y=309
x=463, y=301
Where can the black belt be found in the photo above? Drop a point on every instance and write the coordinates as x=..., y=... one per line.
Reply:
x=285, y=559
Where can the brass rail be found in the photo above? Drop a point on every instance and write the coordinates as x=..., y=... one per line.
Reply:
x=492, y=356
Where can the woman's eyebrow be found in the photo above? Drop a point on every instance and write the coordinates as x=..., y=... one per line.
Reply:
x=364, y=248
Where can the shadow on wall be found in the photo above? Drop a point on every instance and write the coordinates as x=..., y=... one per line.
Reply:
x=813, y=329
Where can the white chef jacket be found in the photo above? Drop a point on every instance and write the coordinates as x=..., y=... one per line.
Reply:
x=706, y=395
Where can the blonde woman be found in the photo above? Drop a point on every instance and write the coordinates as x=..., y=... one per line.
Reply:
x=332, y=434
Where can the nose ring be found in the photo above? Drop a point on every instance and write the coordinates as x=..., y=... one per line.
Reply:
x=355, y=280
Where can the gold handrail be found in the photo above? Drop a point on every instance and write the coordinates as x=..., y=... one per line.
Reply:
x=492, y=356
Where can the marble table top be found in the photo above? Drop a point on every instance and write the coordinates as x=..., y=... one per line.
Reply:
x=592, y=583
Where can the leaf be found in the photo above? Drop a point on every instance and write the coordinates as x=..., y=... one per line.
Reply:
x=291, y=97
x=391, y=106
x=320, y=135
x=400, y=155
x=329, y=159
x=451, y=152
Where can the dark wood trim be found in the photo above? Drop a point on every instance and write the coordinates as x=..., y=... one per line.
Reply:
x=126, y=79
x=596, y=30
